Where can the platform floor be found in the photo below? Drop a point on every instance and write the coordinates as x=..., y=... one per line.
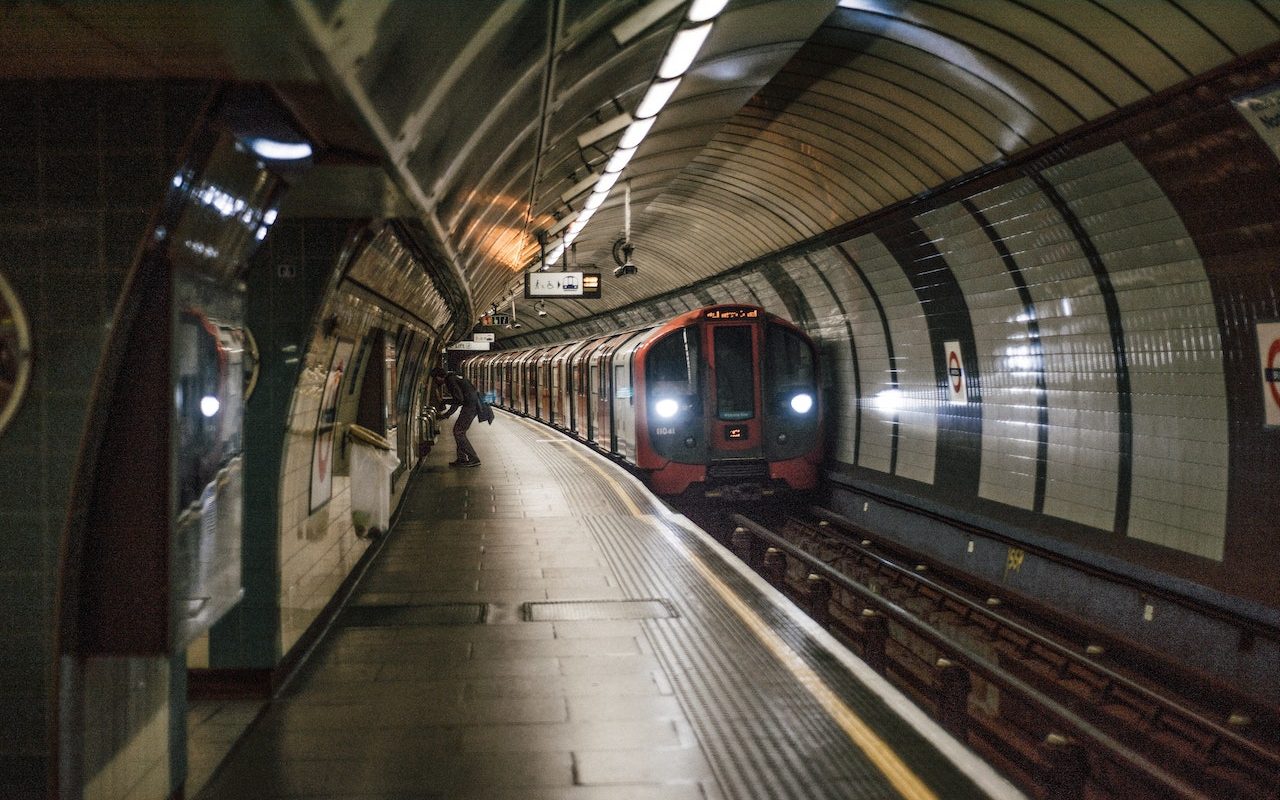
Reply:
x=540, y=627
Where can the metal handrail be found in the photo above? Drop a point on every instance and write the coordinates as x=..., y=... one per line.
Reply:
x=979, y=665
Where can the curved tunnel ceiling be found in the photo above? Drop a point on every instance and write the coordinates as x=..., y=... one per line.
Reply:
x=797, y=117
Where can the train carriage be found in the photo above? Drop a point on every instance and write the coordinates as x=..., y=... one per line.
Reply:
x=724, y=397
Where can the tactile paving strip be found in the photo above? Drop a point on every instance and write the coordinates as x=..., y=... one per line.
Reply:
x=764, y=734
x=566, y=610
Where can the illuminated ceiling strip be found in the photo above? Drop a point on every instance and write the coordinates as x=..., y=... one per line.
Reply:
x=683, y=51
x=657, y=96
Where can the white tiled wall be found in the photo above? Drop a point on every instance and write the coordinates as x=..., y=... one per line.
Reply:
x=830, y=329
x=1083, y=402
x=1007, y=364
x=1175, y=355
x=912, y=355
x=875, y=437
x=1171, y=338
x=317, y=550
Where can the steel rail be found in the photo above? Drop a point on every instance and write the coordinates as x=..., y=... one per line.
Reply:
x=980, y=665
x=1168, y=704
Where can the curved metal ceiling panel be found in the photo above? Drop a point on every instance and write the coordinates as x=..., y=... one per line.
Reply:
x=778, y=133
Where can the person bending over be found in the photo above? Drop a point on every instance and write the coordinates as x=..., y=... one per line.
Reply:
x=464, y=399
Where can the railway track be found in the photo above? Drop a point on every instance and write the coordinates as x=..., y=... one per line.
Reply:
x=1034, y=697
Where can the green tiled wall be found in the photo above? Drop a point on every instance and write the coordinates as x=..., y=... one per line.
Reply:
x=82, y=163
x=286, y=283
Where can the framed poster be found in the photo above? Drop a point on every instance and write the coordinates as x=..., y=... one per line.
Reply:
x=322, y=448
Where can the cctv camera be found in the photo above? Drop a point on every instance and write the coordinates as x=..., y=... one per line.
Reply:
x=542, y=312
x=628, y=268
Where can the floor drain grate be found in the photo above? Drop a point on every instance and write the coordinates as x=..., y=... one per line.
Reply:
x=598, y=609
x=401, y=615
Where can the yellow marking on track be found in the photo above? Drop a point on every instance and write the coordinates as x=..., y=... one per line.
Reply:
x=895, y=770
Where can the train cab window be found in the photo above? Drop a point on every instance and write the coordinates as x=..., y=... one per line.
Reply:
x=735, y=372
x=789, y=370
x=671, y=367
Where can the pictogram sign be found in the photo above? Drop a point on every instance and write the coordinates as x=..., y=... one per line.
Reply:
x=957, y=392
x=1269, y=354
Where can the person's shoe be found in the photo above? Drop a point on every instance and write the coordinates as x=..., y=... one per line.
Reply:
x=469, y=464
x=459, y=463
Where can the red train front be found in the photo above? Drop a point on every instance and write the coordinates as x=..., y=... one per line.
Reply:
x=730, y=399
x=725, y=396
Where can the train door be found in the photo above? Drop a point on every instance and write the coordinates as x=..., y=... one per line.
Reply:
x=733, y=350
x=578, y=409
x=544, y=384
x=593, y=393
x=606, y=430
x=624, y=408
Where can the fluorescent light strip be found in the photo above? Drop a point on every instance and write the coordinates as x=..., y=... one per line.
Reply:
x=555, y=254
x=657, y=96
x=638, y=22
x=593, y=202
x=604, y=129
x=580, y=187
x=703, y=10
x=271, y=150
x=607, y=181
x=587, y=213
x=683, y=51
x=619, y=160
x=636, y=132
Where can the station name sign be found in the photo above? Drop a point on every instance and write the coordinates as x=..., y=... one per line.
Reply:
x=733, y=313
x=562, y=284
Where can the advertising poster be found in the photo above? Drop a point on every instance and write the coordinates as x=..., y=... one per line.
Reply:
x=322, y=454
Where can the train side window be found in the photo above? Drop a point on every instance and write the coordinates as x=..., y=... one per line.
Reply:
x=735, y=373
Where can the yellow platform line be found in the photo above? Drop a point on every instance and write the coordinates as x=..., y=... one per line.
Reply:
x=896, y=771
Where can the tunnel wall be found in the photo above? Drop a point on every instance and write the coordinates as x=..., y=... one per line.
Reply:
x=1101, y=296
x=82, y=166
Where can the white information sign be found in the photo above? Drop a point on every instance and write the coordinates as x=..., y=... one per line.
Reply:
x=562, y=284
x=483, y=337
x=1262, y=110
x=1269, y=354
x=465, y=345
x=957, y=392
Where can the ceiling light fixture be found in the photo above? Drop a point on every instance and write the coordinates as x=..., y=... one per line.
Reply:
x=680, y=55
x=657, y=96
x=683, y=51
x=272, y=150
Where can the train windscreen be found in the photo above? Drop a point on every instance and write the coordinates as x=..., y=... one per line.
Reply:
x=789, y=369
x=671, y=368
x=735, y=373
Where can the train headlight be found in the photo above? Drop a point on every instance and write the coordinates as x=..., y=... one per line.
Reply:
x=666, y=408
x=209, y=405
x=802, y=403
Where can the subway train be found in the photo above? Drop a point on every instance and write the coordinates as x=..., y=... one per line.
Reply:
x=723, y=398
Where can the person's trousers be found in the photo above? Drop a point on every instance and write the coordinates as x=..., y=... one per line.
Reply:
x=466, y=452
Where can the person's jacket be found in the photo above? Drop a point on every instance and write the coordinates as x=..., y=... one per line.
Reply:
x=464, y=395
